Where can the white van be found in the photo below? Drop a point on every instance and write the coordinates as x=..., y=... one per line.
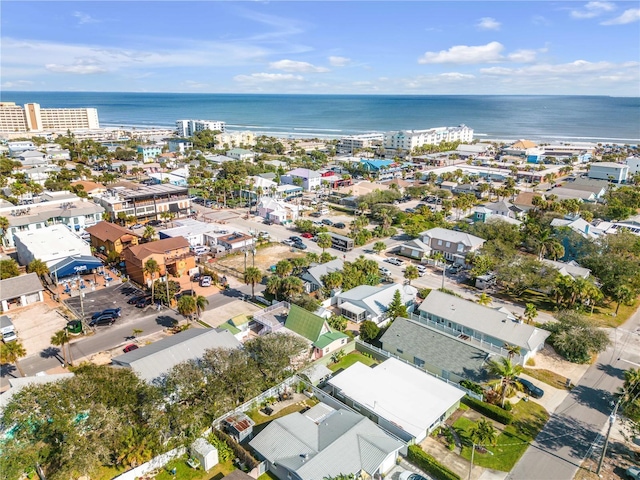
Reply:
x=201, y=250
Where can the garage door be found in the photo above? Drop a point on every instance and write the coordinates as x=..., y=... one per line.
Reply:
x=34, y=297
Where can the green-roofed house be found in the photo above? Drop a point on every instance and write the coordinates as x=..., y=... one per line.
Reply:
x=238, y=326
x=316, y=330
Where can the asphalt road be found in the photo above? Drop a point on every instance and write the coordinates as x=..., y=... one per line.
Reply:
x=563, y=444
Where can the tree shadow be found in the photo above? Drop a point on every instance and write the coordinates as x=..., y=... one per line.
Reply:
x=598, y=399
x=51, y=352
x=232, y=293
x=166, y=321
x=562, y=432
x=7, y=369
x=611, y=370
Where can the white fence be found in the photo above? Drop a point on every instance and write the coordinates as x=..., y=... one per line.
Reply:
x=154, y=464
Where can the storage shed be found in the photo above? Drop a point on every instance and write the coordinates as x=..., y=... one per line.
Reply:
x=205, y=453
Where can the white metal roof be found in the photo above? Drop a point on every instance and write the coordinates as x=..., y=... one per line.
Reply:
x=398, y=392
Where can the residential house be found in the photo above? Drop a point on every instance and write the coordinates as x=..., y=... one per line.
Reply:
x=20, y=291
x=415, y=249
x=241, y=154
x=172, y=255
x=597, y=187
x=33, y=158
x=569, y=269
x=367, y=302
x=325, y=443
x=236, y=241
x=491, y=327
x=149, y=152
x=196, y=232
x=107, y=237
x=179, y=145
x=177, y=177
x=444, y=355
x=91, y=188
x=524, y=200
x=312, y=277
x=399, y=397
x=611, y=171
x=634, y=165
x=153, y=361
x=578, y=225
x=309, y=180
x=316, y=330
x=567, y=193
x=277, y=210
x=454, y=245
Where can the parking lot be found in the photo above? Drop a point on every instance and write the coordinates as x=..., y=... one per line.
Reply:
x=111, y=297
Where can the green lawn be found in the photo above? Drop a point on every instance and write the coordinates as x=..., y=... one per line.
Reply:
x=259, y=418
x=185, y=472
x=350, y=359
x=267, y=476
x=512, y=442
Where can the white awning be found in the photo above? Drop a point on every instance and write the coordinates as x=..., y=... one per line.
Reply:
x=350, y=307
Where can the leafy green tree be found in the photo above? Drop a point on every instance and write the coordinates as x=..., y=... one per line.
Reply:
x=252, y=276
x=397, y=308
x=149, y=233
x=338, y=322
x=291, y=287
x=575, y=337
x=161, y=291
x=629, y=397
x=411, y=273
x=38, y=267
x=512, y=350
x=12, y=352
x=4, y=227
x=9, y=268
x=324, y=241
x=274, y=355
x=508, y=372
x=326, y=257
x=623, y=294
x=369, y=331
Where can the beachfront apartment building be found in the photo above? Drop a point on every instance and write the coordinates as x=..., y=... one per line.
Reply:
x=235, y=139
x=33, y=118
x=408, y=140
x=186, y=128
x=146, y=202
x=614, y=172
x=357, y=142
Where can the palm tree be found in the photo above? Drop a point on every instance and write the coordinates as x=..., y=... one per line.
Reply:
x=512, y=350
x=136, y=332
x=530, y=312
x=151, y=267
x=201, y=303
x=483, y=433
x=411, y=273
x=291, y=287
x=273, y=285
x=629, y=393
x=508, y=372
x=252, y=276
x=148, y=233
x=283, y=268
x=11, y=352
x=187, y=306
x=324, y=241
x=4, y=227
x=332, y=280
x=38, y=267
x=59, y=339
x=379, y=247
x=484, y=299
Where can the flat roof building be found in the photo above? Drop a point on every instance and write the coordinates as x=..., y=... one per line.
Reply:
x=33, y=118
x=50, y=245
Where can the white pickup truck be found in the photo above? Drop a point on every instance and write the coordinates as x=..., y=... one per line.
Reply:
x=7, y=329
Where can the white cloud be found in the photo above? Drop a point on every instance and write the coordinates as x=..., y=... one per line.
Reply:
x=578, y=67
x=85, y=66
x=456, y=76
x=339, y=61
x=84, y=18
x=628, y=16
x=268, y=77
x=593, y=9
x=540, y=21
x=488, y=23
x=192, y=84
x=298, y=67
x=491, y=52
x=17, y=84
x=522, y=56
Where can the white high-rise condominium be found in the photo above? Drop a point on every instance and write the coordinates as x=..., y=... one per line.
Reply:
x=186, y=128
x=407, y=140
x=32, y=118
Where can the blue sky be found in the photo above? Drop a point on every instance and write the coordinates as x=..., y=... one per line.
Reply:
x=383, y=47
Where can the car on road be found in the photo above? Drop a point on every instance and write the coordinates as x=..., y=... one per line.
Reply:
x=155, y=223
x=326, y=221
x=295, y=239
x=530, y=389
x=103, y=321
x=384, y=271
x=130, y=348
x=455, y=268
x=315, y=214
x=287, y=242
x=306, y=235
x=339, y=225
x=268, y=222
x=394, y=261
x=264, y=234
x=144, y=302
x=633, y=473
x=206, y=281
x=407, y=475
x=300, y=245
x=410, y=210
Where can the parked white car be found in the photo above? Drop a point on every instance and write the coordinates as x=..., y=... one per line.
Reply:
x=394, y=261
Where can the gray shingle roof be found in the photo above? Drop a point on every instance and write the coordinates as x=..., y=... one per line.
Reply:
x=314, y=274
x=453, y=236
x=490, y=321
x=375, y=300
x=435, y=348
x=343, y=442
x=151, y=361
x=22, y=285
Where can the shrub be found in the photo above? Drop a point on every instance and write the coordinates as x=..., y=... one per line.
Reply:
x=429, y=464
x=424, y=292
x=491, y=411
x=473, y=386
x=508, y=406
x=239, y=451
x=531, y=362
x=225, y=452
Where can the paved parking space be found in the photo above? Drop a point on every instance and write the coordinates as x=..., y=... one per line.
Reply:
x=36, y=324
x=110, y=297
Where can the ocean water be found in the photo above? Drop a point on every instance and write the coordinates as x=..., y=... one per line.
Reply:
x=550, y=118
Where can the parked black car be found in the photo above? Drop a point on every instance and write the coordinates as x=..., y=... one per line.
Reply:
x=144, y=302
x=530, y=388
x=136, y=299
x=327, y=222
x=102, y=321
x=339, y=225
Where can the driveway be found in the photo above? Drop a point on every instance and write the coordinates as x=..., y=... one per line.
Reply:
x=36, y=324
x=110, y=297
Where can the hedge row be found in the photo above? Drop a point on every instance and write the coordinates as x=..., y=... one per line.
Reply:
x=240, y=452
x=429, y=464
x=491, y=411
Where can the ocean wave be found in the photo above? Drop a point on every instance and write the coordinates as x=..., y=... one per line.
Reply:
x=318, y=129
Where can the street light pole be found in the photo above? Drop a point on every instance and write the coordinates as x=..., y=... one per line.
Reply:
x=254, y=251
x=473, y=451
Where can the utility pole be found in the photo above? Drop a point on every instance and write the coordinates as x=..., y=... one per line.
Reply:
x=612, y=419
x=473, y=450
x=444, y=269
